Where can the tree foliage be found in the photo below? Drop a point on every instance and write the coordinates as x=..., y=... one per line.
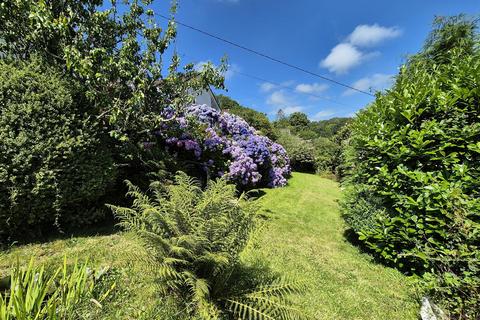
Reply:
x=114, y=50
x=414, y=156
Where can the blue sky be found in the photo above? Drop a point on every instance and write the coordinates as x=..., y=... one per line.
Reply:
x=361, y=43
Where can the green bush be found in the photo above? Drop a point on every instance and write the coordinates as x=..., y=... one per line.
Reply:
x=195, y=238
x=53, y=165
x=361, y=208
x=325, y=154
x=300, y=152
x=416, y=149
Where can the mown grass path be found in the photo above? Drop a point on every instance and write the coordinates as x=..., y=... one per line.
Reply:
x=304, y=239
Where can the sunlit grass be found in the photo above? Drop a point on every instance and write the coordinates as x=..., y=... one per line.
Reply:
x=304, y=239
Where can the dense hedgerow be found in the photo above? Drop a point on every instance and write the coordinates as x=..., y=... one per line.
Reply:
x=223, y=144
x=414, y=156
x=53, y=166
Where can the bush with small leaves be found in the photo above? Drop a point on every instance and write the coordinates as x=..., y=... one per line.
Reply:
x=54, y=167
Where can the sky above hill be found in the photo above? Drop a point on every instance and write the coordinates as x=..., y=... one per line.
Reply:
x=360, y=43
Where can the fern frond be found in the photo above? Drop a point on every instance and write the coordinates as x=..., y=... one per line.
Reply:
x=245, y=311
x=279, y=309
x=279, y=288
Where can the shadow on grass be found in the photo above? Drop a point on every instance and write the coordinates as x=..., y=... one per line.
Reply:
x=104, y=227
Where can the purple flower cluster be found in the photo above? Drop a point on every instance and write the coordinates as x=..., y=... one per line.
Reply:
x=225, y=144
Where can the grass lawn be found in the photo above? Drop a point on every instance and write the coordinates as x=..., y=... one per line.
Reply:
x=303, y=240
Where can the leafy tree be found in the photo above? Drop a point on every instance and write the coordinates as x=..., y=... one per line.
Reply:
x=115, y=51
x=105, y=99
x=298, y=120
x=414, y=156
x=301, y=153
x=329, y=128
x=325, y=153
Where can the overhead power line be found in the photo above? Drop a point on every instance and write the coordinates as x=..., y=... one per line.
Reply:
x=279, y=85
x=265, y=55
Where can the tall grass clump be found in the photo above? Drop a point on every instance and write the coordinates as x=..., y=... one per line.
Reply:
x=414, y=159
x=195, y=238
x=35, y=293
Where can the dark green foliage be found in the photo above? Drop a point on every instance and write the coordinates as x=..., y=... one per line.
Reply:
x=313, y=146
x=256, y=119
x=329, y=128
x=53, y=164
x=195, y=238
x=415, y=155
x=301, y=152
x=300, y=125
x=59, y=135
x=362, y=208
x=326, y=152
x=298, y=120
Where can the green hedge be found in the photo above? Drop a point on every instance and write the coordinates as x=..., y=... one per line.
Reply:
x=415, y=160
x=53, y=166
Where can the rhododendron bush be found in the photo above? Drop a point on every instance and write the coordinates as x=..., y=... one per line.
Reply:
x=223, y=144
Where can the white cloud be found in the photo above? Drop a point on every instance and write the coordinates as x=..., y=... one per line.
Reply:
x=369, y=35
x=343, y=57
x=292, y=109
x=347, y=54
x=231, y=71
x=278, y=98
x=376, y=82
x=311, y=88
x=200, y=65
x=323, y=114
x=282, y=101
x=267, y=87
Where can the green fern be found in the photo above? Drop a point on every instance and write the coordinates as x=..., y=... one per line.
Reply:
x=195, y=237
x=268, y=302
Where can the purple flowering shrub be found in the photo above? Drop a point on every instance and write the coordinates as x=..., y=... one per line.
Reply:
x=223, y=144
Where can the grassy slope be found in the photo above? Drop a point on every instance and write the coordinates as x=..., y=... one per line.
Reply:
x=303, y=239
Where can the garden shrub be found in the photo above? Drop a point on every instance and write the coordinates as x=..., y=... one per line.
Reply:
x=325, y=154
x=222, y=144
x=416, y=151
x=53, y=165
x=301, y=153
x=195, y=238
x=361, y=208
